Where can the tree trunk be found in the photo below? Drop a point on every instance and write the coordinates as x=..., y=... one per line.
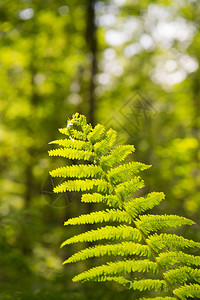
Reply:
x=92, y=45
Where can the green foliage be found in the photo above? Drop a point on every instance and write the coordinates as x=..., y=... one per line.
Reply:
x=108, y=215
x=165, y=268
x=108, y=232
x=148, y=223
x=163, y=240
x=118, y=267
x=45, y=70
x=188, y=291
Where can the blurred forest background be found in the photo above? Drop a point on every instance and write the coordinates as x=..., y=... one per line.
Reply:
x=131, y=65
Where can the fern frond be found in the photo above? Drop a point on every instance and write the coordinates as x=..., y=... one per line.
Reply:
x=116, y=156
x=105, y=144
x=108, y=215
x=127, y=188
x=122, y=249
x=110, y=137
x=158, y=242
x=171, y=258
x=125, y=171
x=105, y=178
x=148, y=223
x=96, y=133
x=73, y=154
x=138, y=205
x=73, y=144
x=119, y=267
x=190, y=290
x=78, y=171
x=77, y=120
x=108, y=232
x=149, y=284
x=73, y=133
x=183, y=274
x=82, y=185
x=110, y=200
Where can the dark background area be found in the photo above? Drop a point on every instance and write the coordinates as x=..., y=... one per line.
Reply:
x=130, y=65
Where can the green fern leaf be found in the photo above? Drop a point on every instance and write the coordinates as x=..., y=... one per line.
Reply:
x=158, y=242
x=73, y=133
x=110, y=200
x=119, y=267
x=73, y=144
x=82, y=185
x=149, y=284
x=77, y=120
x=122, y=249
x=126, y=189
x=108, y=215
x=148, y=223
x=73, y=154
x=167, y=259
x=116, y=156
x=78, y=171
x=96, y=133
x=105, y=144
x=183, y=274
x=186, y=291
x=108, y=232
x=125, y=171
x=138, y=205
